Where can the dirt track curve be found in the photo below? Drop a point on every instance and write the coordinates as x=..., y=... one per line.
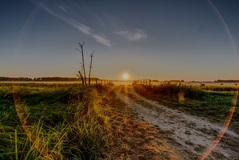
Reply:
x=190, y=135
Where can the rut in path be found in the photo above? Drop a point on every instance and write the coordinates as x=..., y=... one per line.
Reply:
x=193, y=134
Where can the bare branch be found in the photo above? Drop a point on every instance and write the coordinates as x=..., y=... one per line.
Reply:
x=78, y=50
x=92, y=54
x=81, y=45
x=81, y=77
x=91, y=59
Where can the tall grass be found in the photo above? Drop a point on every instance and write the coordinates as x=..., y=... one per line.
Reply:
x=52, y=122
x=174, y=91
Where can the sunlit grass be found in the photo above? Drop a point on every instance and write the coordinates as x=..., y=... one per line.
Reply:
x=65, y=122
x=52, y=122
x=213, y=102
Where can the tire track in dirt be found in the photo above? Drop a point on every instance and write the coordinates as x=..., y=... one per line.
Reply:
x=194, y=134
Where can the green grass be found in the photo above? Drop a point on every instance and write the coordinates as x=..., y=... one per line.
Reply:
x=219, y=88
x=68, y=121
x=210, y=103
x=52, y=122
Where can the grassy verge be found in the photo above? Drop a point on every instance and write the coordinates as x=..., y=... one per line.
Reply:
x=67, y=121
x=210, y=103
x=52, y=122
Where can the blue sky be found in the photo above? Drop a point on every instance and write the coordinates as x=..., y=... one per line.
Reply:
x=190, y=40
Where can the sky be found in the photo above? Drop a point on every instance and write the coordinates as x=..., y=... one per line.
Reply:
x=163, y=39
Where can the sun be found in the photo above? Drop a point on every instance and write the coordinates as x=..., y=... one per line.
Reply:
x=125, y=76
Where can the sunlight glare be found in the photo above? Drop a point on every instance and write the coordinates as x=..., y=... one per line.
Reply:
x=125, y=76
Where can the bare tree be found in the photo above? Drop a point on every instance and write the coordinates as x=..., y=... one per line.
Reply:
x=82, y=73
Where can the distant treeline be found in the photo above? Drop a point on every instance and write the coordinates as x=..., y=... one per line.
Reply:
x=42, y=79
x=176, y=80
x=15, y=79
x=226, y=81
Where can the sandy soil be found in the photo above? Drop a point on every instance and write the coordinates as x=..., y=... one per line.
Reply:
x=191, y=135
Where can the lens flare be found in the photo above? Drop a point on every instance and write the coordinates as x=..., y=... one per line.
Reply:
x=125, y=76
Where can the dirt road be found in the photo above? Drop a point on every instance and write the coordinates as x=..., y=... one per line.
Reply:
x=190, y=135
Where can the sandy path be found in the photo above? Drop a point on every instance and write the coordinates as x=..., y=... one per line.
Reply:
x=192, y=134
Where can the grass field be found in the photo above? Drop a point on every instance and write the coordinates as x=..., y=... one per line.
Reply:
x=69, y=121
x=51, y=122
x=213, y=102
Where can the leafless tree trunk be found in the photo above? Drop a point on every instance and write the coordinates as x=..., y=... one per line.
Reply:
x=91, y=59
x=83, y=61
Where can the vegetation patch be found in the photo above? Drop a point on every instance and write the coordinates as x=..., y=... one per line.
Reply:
x=52, y=122
x=68, y=121
x=214, y=105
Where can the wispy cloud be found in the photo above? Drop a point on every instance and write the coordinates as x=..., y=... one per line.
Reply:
x=88, y=31
x=81, y=27
x=137, y=35
x=84, y=29
x=62, y=8
x=102, y=40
